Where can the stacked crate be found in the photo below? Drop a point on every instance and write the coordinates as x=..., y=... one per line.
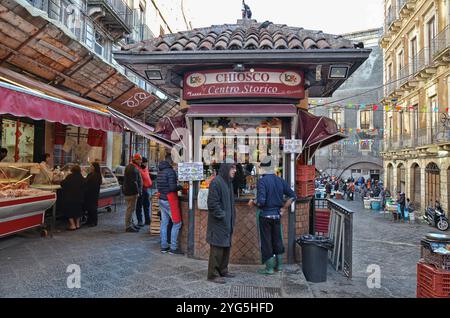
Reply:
x=156, y=222
x=433, y=273
x=305, y=180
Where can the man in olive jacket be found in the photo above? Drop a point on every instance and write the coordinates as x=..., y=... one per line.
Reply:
x=221, y=217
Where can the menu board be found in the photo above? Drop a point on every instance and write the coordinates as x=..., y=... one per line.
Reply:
x=190, y=171
x=293, y=146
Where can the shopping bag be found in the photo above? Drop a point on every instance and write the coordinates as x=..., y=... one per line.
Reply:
x=175, y=211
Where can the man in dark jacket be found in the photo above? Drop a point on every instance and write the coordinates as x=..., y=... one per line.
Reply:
x=167, y=183
x=271, y=190
x=221, y=217
x=132, y=187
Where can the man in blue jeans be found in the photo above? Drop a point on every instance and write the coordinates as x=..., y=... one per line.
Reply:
x=167, y=183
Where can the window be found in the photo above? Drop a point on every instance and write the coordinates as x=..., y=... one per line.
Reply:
x=431, y=33
x=89, y=35
x=364, y=116
x=99, y=45
x=412, y=56
x=336, y=116
x=400, y=63
x=356, y=170
x=432, y=184
x=434, y=114
x=415, y=120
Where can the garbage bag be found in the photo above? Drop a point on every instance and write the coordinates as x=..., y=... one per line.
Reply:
x=320, y=241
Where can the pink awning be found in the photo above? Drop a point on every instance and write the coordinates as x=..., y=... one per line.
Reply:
x=22, y=102
x=242, y=110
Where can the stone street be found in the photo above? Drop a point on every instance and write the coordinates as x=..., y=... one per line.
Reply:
x=118, y=264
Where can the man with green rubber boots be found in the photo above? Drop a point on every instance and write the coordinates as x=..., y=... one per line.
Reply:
x=271, y=190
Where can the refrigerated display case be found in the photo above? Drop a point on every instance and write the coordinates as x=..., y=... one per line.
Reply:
x=22, y=207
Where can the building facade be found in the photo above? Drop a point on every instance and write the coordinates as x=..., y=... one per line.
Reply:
x=359, y=154
x=416, y=44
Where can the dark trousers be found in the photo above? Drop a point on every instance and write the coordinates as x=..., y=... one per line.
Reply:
x=218, y=261
x=92, y=214
x=143, y=203
x=271, y=238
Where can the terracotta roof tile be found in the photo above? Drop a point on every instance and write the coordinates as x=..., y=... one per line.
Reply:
x=244, y=36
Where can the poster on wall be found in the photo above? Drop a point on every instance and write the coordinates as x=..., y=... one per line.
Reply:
x=190, y=171
x=293, y=146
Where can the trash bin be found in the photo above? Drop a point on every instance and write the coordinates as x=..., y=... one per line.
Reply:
x=315, y=257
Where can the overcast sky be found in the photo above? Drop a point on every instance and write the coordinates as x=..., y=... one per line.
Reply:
x=329, y=16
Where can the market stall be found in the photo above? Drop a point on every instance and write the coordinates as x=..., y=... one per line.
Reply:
x=22, y=207
x=241, y=87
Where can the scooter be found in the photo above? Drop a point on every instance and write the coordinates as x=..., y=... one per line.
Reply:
x=436, y=217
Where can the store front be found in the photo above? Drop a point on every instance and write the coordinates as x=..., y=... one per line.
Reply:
x=244, y=90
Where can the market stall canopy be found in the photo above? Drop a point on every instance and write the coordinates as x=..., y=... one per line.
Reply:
x=162, y=60
x=22, y=102
x=142, y=129
x=166, y=126
x=35, y=44
x=241, y=110
x=317, y=132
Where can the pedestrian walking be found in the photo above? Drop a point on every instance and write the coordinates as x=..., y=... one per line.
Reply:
x=92, y=193
x=221, y=218
x=168, y=204
x=401, y=201
x=132, y=187
x=328, y=189
x=271, y=190
x=143, y=201
x=72, y=196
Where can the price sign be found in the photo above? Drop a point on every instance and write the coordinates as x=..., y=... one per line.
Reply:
x=292, y=146
x=190, y=171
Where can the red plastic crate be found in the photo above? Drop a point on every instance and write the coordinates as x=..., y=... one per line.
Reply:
x=305, y=189
x=438, y=260
x=436, y=281
x=305, y=173
x=423, y=292
x=322, y=220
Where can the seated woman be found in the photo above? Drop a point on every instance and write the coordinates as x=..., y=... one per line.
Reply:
x=72, y=192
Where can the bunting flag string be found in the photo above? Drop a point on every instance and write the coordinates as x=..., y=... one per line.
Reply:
x=385, y=107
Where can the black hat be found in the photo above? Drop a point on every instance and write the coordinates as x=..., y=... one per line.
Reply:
x=267, y=162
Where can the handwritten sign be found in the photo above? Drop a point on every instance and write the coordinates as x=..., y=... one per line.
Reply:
x=293, y=146
x=190, y=171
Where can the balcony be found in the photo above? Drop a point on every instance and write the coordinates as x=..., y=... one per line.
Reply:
x=423, y=65
x=393, y=22
x=115, y=15
x=391, y=86
x=406, y=8
x=441, y=46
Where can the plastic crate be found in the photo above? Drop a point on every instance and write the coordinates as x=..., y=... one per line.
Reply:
x=305, y=189
x=436, y=281
x=438, y=260
x=305, y=173
x=322, y=220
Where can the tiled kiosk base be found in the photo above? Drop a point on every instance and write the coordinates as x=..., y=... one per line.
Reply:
x=245, y=246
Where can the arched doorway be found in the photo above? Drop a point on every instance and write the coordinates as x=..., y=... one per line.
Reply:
x=401, y=178
x=389, y=176
x=432, y=184
x=416, y=183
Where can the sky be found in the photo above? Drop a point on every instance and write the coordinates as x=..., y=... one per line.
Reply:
x=329, y=16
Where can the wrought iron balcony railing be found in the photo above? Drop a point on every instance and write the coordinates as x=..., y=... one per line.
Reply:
x=441, y=41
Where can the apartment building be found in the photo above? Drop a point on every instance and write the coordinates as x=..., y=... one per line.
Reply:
x=359, y=154
x=416, y=44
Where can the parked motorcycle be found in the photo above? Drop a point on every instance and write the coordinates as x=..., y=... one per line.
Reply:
x=436, y=217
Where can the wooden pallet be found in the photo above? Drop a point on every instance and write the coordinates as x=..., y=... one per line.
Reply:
x=156, y=223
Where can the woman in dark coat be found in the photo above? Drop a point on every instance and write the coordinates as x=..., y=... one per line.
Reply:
x=92, y=192
x=221, y=218
x=73, y=197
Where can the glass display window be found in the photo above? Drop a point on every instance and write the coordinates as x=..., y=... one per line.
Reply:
x=18, y=139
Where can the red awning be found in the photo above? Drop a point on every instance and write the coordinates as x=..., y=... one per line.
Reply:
x=141, y=129
x=22, y=102
x=242, y=110
x=317, y=131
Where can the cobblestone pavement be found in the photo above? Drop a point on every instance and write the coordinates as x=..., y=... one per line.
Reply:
x=377, y=239
x=118, y=264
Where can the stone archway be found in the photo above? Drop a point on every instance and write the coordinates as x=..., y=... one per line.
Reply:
x=415, y=184
x=432, y=184
x=389, y=177
x=401, y=178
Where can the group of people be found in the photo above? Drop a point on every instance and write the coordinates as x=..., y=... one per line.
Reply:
x=270, y=205
x=136, y=185
x=333, y=184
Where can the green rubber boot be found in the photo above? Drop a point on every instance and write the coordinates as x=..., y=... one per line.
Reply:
x=279, y=266
x=269, y=269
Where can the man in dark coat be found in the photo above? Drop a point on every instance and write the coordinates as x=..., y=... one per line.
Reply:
x=132, y=187
x=221, y=218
